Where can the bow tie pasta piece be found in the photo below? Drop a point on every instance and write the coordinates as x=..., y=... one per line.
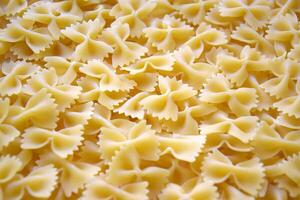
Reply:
x=247, y=175
x=193, y=73
x=21, y=33
x=182, y=147
x=168, y=33
x=187, y=123
x=265, y=100
x=192, y=189
x=242, y=128
x=194, y=12
x=78, y=114
x=132, y=106
x=47, y=14
x=9, y=166
x=255, y=13
x=124, y=51
x=133, y=12
x=218, y=90
x=91, y=92
x=65, y=70
x=8, y=133
x=284, y=29
x=39, y=183
x=159, y=63
x=86, y=35
x=63, y=142
x=74, y=174
x=283, y=84
x=164, y=105
x=268, y=142
x=290, y=105
x=109, y=79
x=140, y=136
x=206, y=35
x=246, y=34
x=126, y=167
x=101, y=118
x=100, y=189
x=40, y=110
x=238, y=69
x=15, y=73
x=231, y=193
x=287, y=174
x=288, y=121
x=11, y=7
x=64, y=94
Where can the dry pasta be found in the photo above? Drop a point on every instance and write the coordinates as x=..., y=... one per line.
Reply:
x=150, y=99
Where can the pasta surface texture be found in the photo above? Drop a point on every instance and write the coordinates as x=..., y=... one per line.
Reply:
x=150, y=99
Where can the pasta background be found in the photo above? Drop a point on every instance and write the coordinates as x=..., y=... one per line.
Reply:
x=150, y=99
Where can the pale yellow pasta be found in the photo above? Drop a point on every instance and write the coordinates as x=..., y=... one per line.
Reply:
x=149, y=99
x=64, y=94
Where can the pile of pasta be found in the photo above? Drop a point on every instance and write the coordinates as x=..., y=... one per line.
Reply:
x=150, y=99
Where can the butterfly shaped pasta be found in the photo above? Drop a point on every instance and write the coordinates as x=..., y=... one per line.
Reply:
x=195, y=12
x=109, y=80
x=8, y=133
x=187, y=123
x=139, y=135
x=265, y=100
x=101, y=189
x=288, y=121
x=290, y=105
x=218, y=90
x=242, y=128
x=283, y=84
x=40, y=110
x=132, y=106
x=9, y=167
x=255, y=13
x=247, y=175
x=86, y=34
x=15, y=73
x=126, y=168
x=78, y=114
x=124, y=52
x=65, y=70
x=74, y=174
x=134, y=13
x=246, y=34
x=192, y=189
x=11, y=7
x=164, y=105
x=63, y=142
x=287, y=174
x=91, y=92
x=168, y=33
x=46, y=13
x=101, y=117
x=284, y=29
x=155, y=63
x=21, y=33
x=206, y=35
x=64, y=94
x=182, y=147
x=268, y=142
x=229, y=192
x=39, y=183
x=238, y=69
x=192, y=73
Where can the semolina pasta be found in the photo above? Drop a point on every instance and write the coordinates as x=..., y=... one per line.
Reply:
x=149, y=99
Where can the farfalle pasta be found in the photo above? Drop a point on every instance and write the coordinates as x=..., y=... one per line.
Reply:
x=149, y=99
